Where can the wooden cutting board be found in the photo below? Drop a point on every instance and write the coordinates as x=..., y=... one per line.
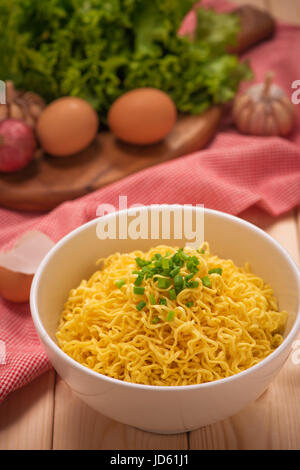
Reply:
x=49, y=181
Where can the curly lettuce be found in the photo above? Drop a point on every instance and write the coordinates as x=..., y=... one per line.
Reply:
x=99, y=49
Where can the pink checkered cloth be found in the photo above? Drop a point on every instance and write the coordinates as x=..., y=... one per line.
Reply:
x=232, y=174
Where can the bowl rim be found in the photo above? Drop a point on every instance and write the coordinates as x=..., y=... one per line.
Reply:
x=44, y=336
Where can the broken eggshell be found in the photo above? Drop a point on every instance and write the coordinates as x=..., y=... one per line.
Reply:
x=18, y=265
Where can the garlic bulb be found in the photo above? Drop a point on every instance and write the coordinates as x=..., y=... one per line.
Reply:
x=264, y=110
x=25, y=106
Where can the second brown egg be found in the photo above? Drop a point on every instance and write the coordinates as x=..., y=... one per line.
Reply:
x=142, y=116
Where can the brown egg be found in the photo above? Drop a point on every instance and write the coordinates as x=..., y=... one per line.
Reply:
x=66, y=126
x=142, y=116
x=15, y=286
x=18, y=265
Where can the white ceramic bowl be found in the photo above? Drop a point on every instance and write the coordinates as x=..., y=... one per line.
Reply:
x=153, y=408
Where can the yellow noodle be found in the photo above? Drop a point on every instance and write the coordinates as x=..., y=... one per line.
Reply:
x=230, y=327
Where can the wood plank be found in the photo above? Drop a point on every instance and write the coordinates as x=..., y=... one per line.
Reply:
x=256, y=3
x=283, y=229
x=26, y=416
x=271, y=422
x=284, y=10
x=76, y=426
x=287, y=10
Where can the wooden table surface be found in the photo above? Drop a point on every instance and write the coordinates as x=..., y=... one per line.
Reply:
x=46, y=415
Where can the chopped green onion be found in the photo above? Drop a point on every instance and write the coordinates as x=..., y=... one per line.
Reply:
x=138, y=281
x=194, y=284
x=157, y=256
x=156, y=320
x=163, y=283
x=162, y=301
x=177, y=259
x=149, y=273
x=152, y=299
x=216, y=270
x=140, y=305
x=139, y=290
x=189, y=304
x=178, y=283
x=120, y=283
x=184, y=256
x=170, y=315
x=206, y=281
x=165, y=263
x=175, y=271
x=141, y=262
x=146, y=268
x=192, y=267
x=172, y=294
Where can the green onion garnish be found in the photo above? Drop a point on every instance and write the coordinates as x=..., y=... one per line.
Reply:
x=165, y=263
x=175, y=271
x=139, y=290
x=163, y=283
x=206, y=281
x=152, y=299
x=141, y=262
x=138, y=281
x=172, y=294
x=165, y=270
x=194, y=284
x=140, y=305
x=192, y=265
x=189, y=304
x=149, y=274
x=120, y=283
x=162, y=301
x=216, y=270
x=170, y=315
x=155, y=320
x=178, y=283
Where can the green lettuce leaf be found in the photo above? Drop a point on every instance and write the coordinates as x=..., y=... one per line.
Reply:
x=99, y=49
